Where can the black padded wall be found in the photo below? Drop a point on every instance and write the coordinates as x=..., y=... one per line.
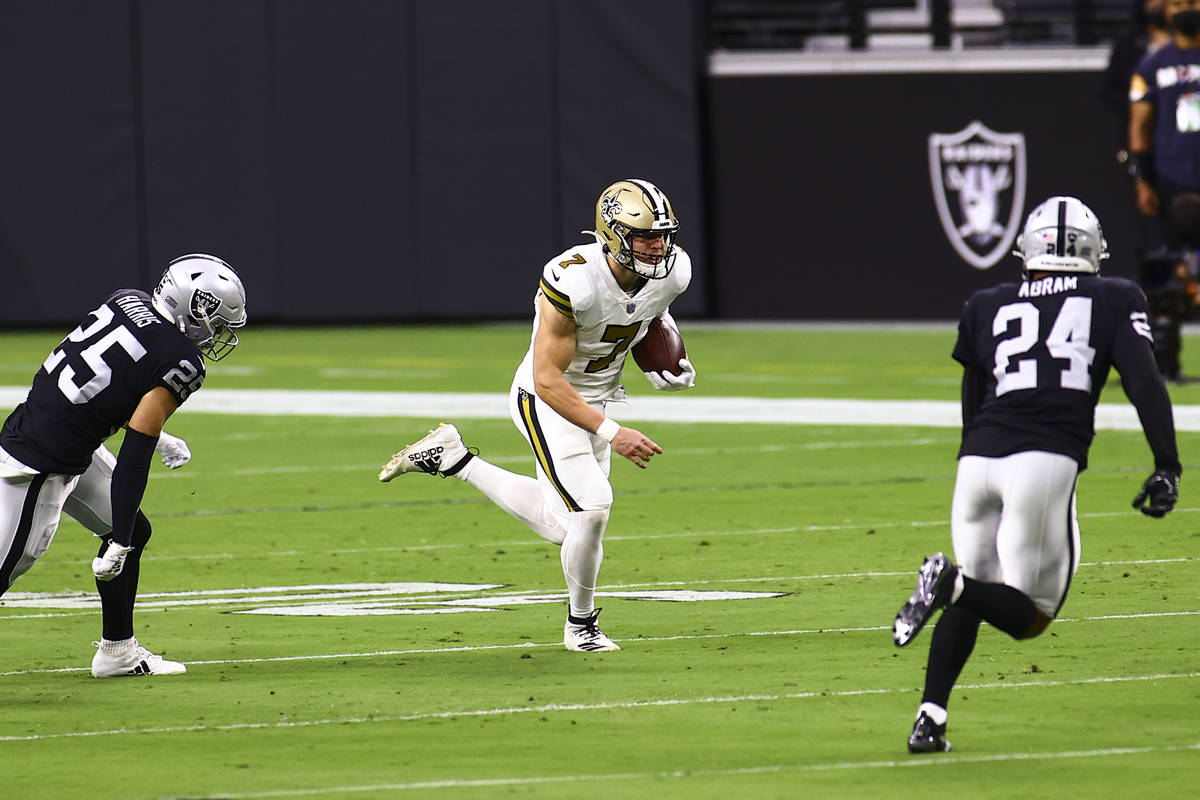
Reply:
x=358, y=160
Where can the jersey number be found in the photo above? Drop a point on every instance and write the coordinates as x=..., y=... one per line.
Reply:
x=622, y=335
x=93, y=355
x=184, y=379
x=1068, y=340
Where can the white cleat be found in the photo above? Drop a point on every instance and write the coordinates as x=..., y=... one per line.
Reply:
x=131, y=659
x=582, y=635
x=440, y=452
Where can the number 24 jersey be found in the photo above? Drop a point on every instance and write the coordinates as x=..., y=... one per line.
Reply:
x=90, y=385
x=1042, y=350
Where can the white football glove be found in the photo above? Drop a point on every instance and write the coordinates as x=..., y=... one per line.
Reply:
x=109, y=565
x=174, y=451
x=666, y=382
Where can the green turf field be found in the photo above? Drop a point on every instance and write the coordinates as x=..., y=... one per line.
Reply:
x=350, y=639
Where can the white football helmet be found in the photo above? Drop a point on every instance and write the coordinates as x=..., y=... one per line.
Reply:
x=1061, y=235
x=204, y=297
x=636, y=207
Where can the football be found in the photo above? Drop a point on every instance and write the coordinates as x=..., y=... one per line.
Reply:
x=660, y=349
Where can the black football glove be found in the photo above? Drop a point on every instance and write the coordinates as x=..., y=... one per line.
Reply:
x=1161, y=490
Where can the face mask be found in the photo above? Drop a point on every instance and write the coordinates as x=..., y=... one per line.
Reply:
x=1157, y=20
x=1186, y=22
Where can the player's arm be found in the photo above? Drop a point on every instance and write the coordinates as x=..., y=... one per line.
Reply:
x=553, y=349
x=1141, y=142
x=1145, y=388
x=974, y=385
x=129, y=477
x=133, y=460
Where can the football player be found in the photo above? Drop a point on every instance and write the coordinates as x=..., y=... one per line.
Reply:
x=1035, y=356
x=130, y=364
x=593, y=303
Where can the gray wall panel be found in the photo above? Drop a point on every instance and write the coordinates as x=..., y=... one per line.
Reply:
x=68, y=196
x=628, y=96
x=359, y=160
x=346, y=192
x=484, y=154
x=207, y=85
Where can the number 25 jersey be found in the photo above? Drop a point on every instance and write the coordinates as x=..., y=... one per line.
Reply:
x=1041, y=350
x=90, y=385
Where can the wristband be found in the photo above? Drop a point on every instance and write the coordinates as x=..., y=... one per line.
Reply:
x=608, y=429
x=1137, y=166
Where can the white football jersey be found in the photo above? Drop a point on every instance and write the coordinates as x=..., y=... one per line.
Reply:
x=579, y=284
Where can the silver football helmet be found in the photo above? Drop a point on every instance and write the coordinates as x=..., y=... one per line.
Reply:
x=204, y=297
x=1061, y=235
x=637, y=208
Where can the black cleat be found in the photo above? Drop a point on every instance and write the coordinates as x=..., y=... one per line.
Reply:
x=935, y=583
x=927, y=736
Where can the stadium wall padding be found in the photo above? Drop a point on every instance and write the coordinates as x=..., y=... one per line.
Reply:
x=355, y=161
x=823, y=192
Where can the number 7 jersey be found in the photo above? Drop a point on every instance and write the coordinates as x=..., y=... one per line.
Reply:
x=89, y=386
x=1037, y=355
x=579, y=284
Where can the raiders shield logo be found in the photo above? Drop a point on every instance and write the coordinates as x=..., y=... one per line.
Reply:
x=978, y=180
x=203, y=304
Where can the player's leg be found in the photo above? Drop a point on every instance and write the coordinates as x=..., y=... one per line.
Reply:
x=1035, y=547
x=974, y=516
x=118, y=652
x=572, y=467
x=1038, y=540
x=1017, y=542
x=442, y=452
x=30, y=510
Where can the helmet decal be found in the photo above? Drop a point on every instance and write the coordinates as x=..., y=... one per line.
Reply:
x=610, y=206
x=204, y=304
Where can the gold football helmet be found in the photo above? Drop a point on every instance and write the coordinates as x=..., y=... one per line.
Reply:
x=636, y=207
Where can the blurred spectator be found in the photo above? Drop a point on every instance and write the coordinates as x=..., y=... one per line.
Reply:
x=1164, y=164
x=1171, y=281
x=1147, y=33
x=1164, y=119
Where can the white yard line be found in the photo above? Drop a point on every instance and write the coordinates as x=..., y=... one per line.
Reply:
x=940, y=761
x=642, y=408
x=662, y=702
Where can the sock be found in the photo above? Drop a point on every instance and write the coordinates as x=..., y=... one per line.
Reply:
x=1000, y=605
x=116, y=648
x=935, y=713
x=519, y=495
x=950, y=647
x=582, y=552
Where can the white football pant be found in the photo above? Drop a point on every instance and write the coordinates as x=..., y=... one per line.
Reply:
x=1013, y=522
x=31, y=506
x=569, y=501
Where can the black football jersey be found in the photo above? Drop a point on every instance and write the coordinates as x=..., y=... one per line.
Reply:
x=89, y=386
x=1041, y=352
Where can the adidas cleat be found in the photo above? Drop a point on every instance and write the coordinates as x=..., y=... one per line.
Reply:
x=128, y=659
x=927, y=736
x=440, y=452
x=583, y=635
x=935, y=582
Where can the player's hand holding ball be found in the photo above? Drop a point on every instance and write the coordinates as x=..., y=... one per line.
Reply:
x=662, y=356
